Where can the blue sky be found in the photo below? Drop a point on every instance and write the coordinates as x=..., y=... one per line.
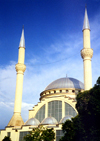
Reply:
x=53, y=40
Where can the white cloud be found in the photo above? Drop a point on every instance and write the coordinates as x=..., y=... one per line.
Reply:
x=7, y=82
x=95, y=44
x=25, y=108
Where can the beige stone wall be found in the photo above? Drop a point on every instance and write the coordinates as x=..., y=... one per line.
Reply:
x=53, y=95
x=68, y=97
x=14, y=132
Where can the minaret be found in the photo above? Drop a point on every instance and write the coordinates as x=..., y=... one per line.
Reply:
x=16, y=119
x=87, y=53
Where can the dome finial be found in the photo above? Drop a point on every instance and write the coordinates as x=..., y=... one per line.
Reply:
x=86, y=21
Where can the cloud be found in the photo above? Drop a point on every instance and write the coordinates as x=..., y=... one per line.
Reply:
x=95, y=44
x=6, y=111
x=7, y=81
x=25, y=108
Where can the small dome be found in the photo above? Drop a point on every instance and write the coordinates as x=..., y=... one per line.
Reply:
x=32, y=121
x=49, y=120
x=65, y=118
x=65, y=83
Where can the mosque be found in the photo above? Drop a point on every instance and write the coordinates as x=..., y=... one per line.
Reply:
x=57, y=101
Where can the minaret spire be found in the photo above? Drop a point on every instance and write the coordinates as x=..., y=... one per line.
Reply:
x=16, y=119
x=87, y=53
x=86, y=21
x=22, y=40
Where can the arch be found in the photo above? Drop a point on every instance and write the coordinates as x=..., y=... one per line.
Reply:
x=40, y=115
x=55, y=109
x=69, y=110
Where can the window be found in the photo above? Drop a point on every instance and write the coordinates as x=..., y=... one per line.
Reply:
x=54, y=91
x=66, y=91
x=40, y=115
x=59, y=134
x=22, y=134
x=60, y=91
x=73, y=91
x=69, y=110
x=8, y=134
x=55, y=109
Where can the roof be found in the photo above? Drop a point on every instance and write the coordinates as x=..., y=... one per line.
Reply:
x=32, y=121
x=68, y=117
x=49, y=120
x=65, y=83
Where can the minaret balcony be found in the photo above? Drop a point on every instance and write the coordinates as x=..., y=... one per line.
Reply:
x=87, y=53
x=20, y=67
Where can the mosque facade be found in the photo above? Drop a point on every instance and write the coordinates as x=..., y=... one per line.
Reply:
x=57, y=101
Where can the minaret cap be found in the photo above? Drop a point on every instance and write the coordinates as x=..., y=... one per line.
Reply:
x=86, y=21
x=22, y=40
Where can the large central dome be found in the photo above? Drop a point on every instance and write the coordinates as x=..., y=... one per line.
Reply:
x=65, y=83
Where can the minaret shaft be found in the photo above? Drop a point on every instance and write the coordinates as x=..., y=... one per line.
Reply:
x=21, y=55
x=18, y=94
x=16, y=119
x=87, y=74
x=86, y=38
x=87, y=54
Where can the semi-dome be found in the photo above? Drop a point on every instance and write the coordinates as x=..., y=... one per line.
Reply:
x=68, y=117
x=49, y=120
x=65, y=83
x=32, y=121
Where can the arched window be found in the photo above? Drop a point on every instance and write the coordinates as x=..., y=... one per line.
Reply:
x=55, y=109
x=40, y=115
x=69, y=110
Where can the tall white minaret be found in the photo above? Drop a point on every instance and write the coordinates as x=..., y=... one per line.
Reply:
x=16, y=119
x=87, y=53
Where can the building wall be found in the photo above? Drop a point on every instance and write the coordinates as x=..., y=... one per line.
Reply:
x=54, y=95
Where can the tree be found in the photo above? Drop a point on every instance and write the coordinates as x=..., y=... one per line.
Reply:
x=71, y=129
x=85, y=126
x=6, y=138
x=68, y=130
x=40, y=134
x=88, y=106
